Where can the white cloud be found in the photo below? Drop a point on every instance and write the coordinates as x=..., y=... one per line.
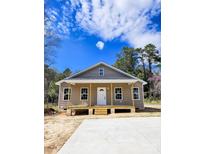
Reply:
x=57, y=20
x=100, y=45
x=124, y=19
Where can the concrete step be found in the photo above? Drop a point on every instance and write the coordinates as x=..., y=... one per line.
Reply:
x=101, y=111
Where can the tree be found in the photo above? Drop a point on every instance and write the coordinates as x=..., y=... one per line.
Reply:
x=142, y=63
x=155, y=85
x=51, y=76
x=141, y=56
x=127, y=60
x=67, y=72
x=52, y=91
x=151, y=53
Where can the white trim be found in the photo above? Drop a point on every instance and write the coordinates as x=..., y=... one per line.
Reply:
x=121, y=94
x=59, y=96
x=90, y=100
x=72, y=81
x=87, y=94
x=111, y=94
x=142, y=94
x=133, y=93
x=109, y=67
x=101, y=68
x=68, y=94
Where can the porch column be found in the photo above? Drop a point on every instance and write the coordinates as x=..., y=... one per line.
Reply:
x=90, y=94
x=112, y=110
x=111, y=94
x=142, y=95
x=133, y=103
x=59, y=96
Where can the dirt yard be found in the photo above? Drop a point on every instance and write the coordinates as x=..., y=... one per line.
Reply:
x=58, y=128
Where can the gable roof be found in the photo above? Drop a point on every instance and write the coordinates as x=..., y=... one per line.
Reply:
x=133, y=78
x=98, y=64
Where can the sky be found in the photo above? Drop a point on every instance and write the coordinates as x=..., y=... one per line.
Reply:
x=96, y=30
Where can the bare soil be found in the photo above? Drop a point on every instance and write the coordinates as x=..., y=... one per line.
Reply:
x=58, y=128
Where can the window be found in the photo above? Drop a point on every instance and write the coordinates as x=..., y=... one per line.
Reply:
x=67, y=94
x=136, y=93
x=118, y=93
x=101, y=71
x=84, y=94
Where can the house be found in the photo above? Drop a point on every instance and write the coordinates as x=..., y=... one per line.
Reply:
x=101, y=88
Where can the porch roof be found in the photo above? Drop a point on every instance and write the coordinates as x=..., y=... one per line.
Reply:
x=99, y=81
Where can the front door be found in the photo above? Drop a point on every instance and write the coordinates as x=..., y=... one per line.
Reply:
x=101, y=96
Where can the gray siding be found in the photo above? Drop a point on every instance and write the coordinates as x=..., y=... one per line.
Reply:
x=108, y=74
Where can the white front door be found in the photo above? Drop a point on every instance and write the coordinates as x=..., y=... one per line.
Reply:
x=101, y=96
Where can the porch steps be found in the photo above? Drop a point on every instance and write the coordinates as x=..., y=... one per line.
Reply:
x=101, y=111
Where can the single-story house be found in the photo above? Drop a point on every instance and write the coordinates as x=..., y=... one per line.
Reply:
x=101, y=85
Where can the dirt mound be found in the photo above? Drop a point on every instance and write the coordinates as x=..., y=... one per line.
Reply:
x=49, y=111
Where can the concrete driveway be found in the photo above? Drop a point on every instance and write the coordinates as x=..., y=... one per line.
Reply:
x=139, y=135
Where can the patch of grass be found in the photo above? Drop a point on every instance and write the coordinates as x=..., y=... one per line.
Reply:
x=152, y=101
x=51, y=105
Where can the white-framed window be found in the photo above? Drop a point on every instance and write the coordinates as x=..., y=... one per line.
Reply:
x=84, y=94
x=118, y=93
x=101, y=71
x=66, y=94
x=135, y=93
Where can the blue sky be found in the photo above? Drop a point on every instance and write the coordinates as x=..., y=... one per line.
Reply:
x=81, y=24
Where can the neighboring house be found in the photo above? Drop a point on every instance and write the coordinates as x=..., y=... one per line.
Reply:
x=101, y=85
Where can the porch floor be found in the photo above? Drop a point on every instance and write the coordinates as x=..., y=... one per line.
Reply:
x=99, y=110
x=98, y=106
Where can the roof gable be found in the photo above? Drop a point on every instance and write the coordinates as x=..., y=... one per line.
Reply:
x=112, y=75
x=110, y=72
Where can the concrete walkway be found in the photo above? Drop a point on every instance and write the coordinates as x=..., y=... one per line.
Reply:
x=115, y=136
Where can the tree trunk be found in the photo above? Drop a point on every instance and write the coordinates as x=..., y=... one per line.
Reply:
x=150, y=67
x=149, y=75
x=143, y=64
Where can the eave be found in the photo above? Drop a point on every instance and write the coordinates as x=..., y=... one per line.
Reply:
x=74, y=81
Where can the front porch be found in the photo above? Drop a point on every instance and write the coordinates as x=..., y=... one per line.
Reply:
x=100, y=98
x=100, y=94
x=99, y=110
